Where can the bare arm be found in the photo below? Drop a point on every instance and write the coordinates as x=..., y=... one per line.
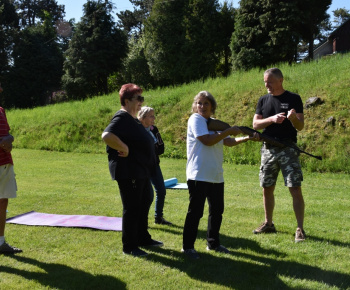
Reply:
x=260, y=123
x=212, y=139
x=114, y=142
x=297, y=119
x=236, y=141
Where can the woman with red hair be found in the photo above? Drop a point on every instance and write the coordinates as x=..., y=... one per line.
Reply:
x=132, y=160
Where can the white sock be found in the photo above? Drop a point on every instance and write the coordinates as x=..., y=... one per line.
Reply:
x=2, y=240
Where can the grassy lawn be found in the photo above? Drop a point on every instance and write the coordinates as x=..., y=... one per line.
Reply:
x=74, y=258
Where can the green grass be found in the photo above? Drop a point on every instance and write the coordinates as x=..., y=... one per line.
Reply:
x=79, y=183
x=77, y=126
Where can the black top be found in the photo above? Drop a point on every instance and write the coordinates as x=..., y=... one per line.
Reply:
x=159, y=145
x=141, y=160
x=269, y=105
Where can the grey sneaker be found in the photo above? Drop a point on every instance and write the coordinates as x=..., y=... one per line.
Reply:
x=265, y=228
x=300, y=235
x=219, y=249
x=191, y=253
x=5, y=248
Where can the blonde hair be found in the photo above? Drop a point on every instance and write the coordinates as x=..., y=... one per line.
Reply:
x=143, y=112
x=206, y=95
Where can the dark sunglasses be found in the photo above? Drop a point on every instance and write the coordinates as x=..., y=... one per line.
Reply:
x=139, y=99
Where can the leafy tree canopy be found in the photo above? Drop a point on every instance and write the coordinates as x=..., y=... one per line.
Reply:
x=95, y=51
x=181, y=40
x=341, y=15
x=265, y=33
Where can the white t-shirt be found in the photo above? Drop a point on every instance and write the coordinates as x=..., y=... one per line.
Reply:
x=204, y=163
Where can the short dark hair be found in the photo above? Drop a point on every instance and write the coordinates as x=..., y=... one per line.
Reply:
x=275, y=72
x=127, y=91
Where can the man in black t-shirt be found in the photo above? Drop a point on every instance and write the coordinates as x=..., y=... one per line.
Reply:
x=280, y=114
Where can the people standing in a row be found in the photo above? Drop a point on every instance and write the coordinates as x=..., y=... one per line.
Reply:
x=132, y=153
x=147, y=116
x=205, y=173
x=132, y=162
x=8, y=185
x=280, y=114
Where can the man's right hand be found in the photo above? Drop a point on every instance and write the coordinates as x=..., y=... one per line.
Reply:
x=278, y=118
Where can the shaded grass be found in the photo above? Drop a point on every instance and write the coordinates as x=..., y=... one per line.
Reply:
x=70, y=258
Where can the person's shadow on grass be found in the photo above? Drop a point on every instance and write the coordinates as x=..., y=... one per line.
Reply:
x=253, y=267
x=60, y=276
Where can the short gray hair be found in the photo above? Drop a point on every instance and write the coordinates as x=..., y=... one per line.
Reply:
x=208, y=96
x=276, y=72
x=143, y=112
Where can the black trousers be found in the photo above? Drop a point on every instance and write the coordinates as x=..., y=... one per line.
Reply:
x=200, y=191
x=136, y=198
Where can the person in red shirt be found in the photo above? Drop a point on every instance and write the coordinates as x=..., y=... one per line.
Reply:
x=8, y=186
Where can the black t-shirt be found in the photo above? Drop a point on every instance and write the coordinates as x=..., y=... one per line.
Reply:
x=269, y=105
x=141, y=160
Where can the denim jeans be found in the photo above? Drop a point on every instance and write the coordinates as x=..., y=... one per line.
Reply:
x=159, y=187
x=200, y=191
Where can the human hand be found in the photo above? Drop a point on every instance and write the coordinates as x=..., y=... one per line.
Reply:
x=255, y=137
x=278, y=118
x=6, y=143
x=123, y=153
x=234, y=130
x=292, y=114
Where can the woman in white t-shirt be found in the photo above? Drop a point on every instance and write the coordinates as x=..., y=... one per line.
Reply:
x=205, y=173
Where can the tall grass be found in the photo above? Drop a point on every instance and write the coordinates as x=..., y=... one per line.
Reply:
x=77, y=126
x=76, y=258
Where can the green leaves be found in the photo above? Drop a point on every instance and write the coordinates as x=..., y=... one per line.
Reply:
x=95, y=51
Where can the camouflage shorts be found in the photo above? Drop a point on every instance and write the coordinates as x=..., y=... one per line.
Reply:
x=273, y=160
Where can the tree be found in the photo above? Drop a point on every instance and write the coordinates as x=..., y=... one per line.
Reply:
x=135, y=67
x=37, y=65
x=181, y=40
x=132, y=21
x=226, y=27
x=30, y=11
x=8, y=30
x=265, y=33
x=95, y=51
x=341, y=15
x=313, y=14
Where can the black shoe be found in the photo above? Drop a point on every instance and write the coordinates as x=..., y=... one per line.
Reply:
x=162, y=221
x=219, y=249
x=5, y=248
x=191, y=253
x=152, y=243
x=136, y=253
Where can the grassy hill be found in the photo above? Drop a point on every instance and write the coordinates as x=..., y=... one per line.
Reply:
x=77, y=126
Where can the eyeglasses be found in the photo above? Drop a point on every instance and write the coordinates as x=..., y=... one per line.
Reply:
x=139, y=98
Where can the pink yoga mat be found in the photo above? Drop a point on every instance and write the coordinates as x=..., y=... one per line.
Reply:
x=33, y=218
